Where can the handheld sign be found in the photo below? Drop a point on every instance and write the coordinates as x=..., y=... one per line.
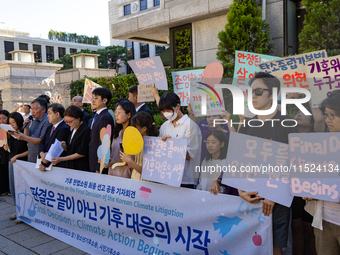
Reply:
x=314, y=161
x=144, y=93
x=103, y=151
x=150, y=70
x=247, y=64
x=88, y=88
x=164, y=161
x=132, y=141
x=258, y=165
x=56, y=98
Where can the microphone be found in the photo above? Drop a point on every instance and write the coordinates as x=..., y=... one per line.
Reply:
x=23, y=128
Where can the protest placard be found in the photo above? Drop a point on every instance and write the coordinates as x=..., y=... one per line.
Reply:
x=259, y=165
x=112, y=215
x=164, y=162
x=291, y=71
x=314, y=160
x=145, y=93
x=150, y=70
x=247, y=64
x=323, y=77
x=88, y=88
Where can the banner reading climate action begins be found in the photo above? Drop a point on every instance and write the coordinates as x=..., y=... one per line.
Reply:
x=103, y=214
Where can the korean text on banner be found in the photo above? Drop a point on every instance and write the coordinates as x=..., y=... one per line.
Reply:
x=144, y=93
x=247, y=64
x=150, y=70
x=314, y=158
x=110, y=215
x=257, y=163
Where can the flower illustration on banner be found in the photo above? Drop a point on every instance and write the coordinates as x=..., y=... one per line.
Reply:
x=229, y=227
x=257, y=239
x=56, y=98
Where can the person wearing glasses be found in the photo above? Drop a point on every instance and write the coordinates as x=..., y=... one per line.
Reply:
x=77, y=144
x=326, y=221
x=124, y=111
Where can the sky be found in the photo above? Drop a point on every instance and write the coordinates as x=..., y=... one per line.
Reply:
x=37, y=17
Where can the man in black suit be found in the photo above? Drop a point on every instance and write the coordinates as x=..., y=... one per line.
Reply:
x=58, y=130
x=100, y=99
x=140, y=107
x=78, y=101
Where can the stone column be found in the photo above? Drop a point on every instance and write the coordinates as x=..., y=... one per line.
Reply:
x=43, y=53
x=2, y=50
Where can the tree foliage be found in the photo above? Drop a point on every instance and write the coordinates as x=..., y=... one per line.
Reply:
x=72, y=37
x=112, y=56
x=183, y=48
x=321, y=28
x=245, y=31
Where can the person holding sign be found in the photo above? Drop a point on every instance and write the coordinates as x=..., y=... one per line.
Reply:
x=179, y=125
x=326, y=221
x=124, y=111
x=77, y=144
x=262, y=87
x=145, y=125
x=100, y=98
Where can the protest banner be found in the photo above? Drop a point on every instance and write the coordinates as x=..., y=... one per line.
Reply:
x=259, y=165
x=164, y=162
x=323, y=77
x=314, y=160
x=88, y=88
x=150, y=70
x=144, y=93
x=111, y=215
x=182, y=83
x=56, y=98
x=291, y=71
x=247, y=64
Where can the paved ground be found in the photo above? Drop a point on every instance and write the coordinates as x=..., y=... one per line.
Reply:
x=22, y=239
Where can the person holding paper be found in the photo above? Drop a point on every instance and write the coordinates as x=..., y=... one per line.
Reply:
x=125, y=110
x=4, y=156
x=140, y=107
x=58, y=130
x=77, y=144
x=18, y=150
x=143, y=122
x=180, y=126
x=326, y=215
x=100, y=98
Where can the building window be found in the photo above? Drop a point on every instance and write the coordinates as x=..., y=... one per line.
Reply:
x=23, y=46
x=156, y=2
x=9, y=46
x=180, y=43
x=73, y=51
x=49, y=53
x=144, y=50
x=143, y=5
x=37, y=55
x=61, y=52
x=127, y=9
x=159, y=49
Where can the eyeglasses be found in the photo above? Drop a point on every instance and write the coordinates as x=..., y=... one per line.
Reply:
x=69, y=122
x=259, y=91
x=329, y=116
x=119, y=112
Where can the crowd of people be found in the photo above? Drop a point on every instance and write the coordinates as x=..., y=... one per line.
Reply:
x=207, y=144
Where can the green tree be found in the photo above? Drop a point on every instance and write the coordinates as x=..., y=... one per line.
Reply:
x=112, y=56
x=183, y=48
x=245, y=31
x=321, y=28
x=73, y=37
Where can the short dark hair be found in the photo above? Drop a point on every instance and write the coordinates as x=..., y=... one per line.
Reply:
x=6, y=113
x=46, y=98
x=27, y=106
x=133, y=90
x=168, y=101
x=222, y=138
x=17, y=117
x=103, y=93
x=55, y=107
x=41, y=102
x=332, y=102
x=74, y=111
x=269, y=80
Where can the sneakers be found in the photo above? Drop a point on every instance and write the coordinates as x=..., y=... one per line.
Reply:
x=13, y=217
x=18, y=221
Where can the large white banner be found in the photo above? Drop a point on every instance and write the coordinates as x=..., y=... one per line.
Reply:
x=103, y=214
